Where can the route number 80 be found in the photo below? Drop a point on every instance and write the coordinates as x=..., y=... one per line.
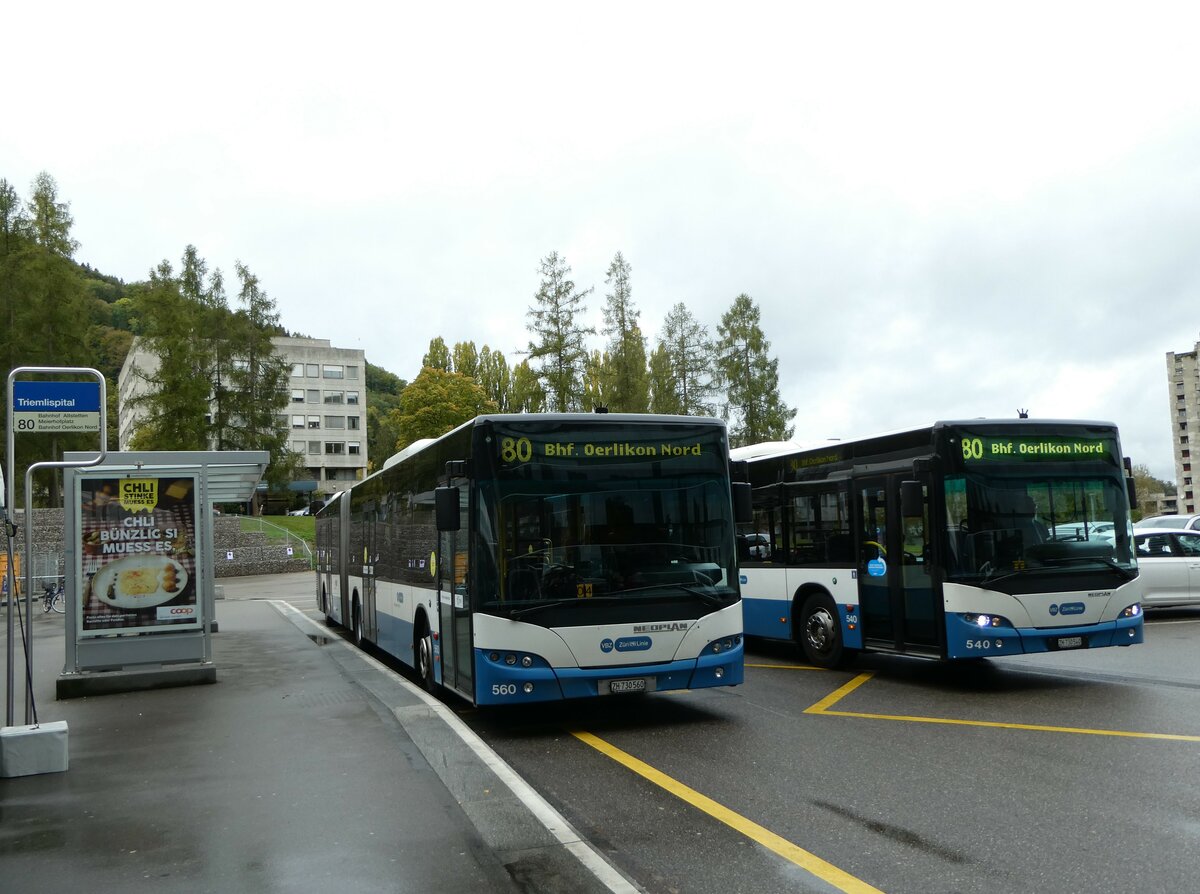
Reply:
x=516, y=450
x=972, y=448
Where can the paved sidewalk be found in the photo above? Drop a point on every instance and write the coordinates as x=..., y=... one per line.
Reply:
x=306, y=767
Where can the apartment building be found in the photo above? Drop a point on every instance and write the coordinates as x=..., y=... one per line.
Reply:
x=326, y=411
x=1183, y=378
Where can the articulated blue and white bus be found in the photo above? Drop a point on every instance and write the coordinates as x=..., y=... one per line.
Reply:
x=525, y=558
x=957, y=540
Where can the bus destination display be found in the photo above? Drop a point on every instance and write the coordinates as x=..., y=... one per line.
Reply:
x=1034, y=448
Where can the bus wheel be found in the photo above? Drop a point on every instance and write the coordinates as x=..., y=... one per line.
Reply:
x=358, y=626
x=821, y=632
x=425, y=661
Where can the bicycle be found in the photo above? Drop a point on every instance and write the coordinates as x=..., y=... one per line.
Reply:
x=54, y=598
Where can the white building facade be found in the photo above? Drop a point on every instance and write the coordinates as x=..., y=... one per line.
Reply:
x=326, y=412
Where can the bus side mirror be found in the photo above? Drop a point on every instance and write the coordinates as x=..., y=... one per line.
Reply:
x=912, y=499
x=1130, y=482
x=445, y=504
x=315, y=506
x=743, y=506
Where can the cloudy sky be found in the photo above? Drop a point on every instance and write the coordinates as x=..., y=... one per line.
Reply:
x=942, y=210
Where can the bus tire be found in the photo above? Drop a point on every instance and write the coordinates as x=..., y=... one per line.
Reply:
x=359, y=639
x=423, y=648
x=820, y=632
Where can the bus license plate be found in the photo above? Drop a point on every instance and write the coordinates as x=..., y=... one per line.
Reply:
x=1070, y=642
x=636, y=685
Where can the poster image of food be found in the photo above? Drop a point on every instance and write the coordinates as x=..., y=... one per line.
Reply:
x=138, y=555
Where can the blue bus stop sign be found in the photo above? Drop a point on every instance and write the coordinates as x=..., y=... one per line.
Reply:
x=56, y=406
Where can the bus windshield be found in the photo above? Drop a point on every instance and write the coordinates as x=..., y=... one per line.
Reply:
x=573, y=521
x=1002, y=521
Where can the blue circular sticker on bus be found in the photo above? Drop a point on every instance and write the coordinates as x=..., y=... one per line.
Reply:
x=877, y=567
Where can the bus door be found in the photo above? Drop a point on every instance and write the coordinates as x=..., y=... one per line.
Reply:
x=341, y=565
x=370, y=557
x=895, y=583
x=454, y=608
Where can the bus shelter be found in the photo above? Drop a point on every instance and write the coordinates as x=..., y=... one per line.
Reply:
x=139, y=566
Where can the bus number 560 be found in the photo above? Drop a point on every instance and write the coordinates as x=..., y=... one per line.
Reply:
x=504, y=689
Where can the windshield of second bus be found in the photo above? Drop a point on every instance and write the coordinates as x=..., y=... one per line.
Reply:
x=1011, y=523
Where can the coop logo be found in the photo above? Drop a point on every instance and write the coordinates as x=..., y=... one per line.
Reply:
x=176, y=612
x=1067, y=608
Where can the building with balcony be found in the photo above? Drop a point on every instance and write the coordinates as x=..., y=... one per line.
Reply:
x=1183, y=383
x=326, y=412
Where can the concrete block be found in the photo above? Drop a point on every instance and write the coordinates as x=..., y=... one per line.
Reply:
x=29, y=750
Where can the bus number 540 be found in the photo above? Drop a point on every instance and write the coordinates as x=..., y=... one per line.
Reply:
x=984, y=644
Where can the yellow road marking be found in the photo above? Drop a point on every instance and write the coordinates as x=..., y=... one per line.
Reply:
x=824, y=705
x=810, y=862
x=791, y=667
x=837, y=695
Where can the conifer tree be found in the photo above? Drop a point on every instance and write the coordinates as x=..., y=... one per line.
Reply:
x=683, y=372
x=628, y=381
x=557, y=345
x=753, y=406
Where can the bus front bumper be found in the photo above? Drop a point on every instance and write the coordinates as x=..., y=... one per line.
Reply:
x=966, y=640
x=500, y=683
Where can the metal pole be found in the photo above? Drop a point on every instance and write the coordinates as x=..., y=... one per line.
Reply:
x=12, y=580
x=99, y=458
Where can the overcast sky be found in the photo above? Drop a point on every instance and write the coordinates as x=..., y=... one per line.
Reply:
x=941, y=210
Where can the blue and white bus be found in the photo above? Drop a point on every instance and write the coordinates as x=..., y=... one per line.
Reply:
x=525, y=558
x=957, y=540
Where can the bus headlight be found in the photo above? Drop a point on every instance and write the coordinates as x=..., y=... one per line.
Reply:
x=1132, y=611
x=986, y=620
x=716, y=647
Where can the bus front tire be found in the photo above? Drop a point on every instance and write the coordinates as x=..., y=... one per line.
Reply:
x=358, y=626
x=425, y=661
x=821, y=633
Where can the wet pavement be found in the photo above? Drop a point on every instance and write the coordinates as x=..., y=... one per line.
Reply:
x=305, y=767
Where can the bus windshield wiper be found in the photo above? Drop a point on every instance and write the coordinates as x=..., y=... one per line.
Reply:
x=997, y=578
x=706, y=598
x=1056, y=562
x=1077, y=560
x=677, y=589
x=556, y=603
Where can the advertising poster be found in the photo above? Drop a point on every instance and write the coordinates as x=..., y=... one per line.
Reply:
x=138, y=555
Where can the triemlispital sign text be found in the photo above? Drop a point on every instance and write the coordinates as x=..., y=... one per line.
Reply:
x=56, y=406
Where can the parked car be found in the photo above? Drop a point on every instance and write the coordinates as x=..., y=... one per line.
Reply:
x=1092, y=530
x=1179, y=522
x=754, y=546
x=302, y=511
x=1169, y=566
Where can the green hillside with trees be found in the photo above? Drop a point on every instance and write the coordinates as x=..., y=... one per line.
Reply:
x=220, y=384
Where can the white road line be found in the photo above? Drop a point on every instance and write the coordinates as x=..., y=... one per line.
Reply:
x=554, y=822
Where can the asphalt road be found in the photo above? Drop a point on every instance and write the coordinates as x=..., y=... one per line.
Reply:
x=1074, y=772
x=1064, y=773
